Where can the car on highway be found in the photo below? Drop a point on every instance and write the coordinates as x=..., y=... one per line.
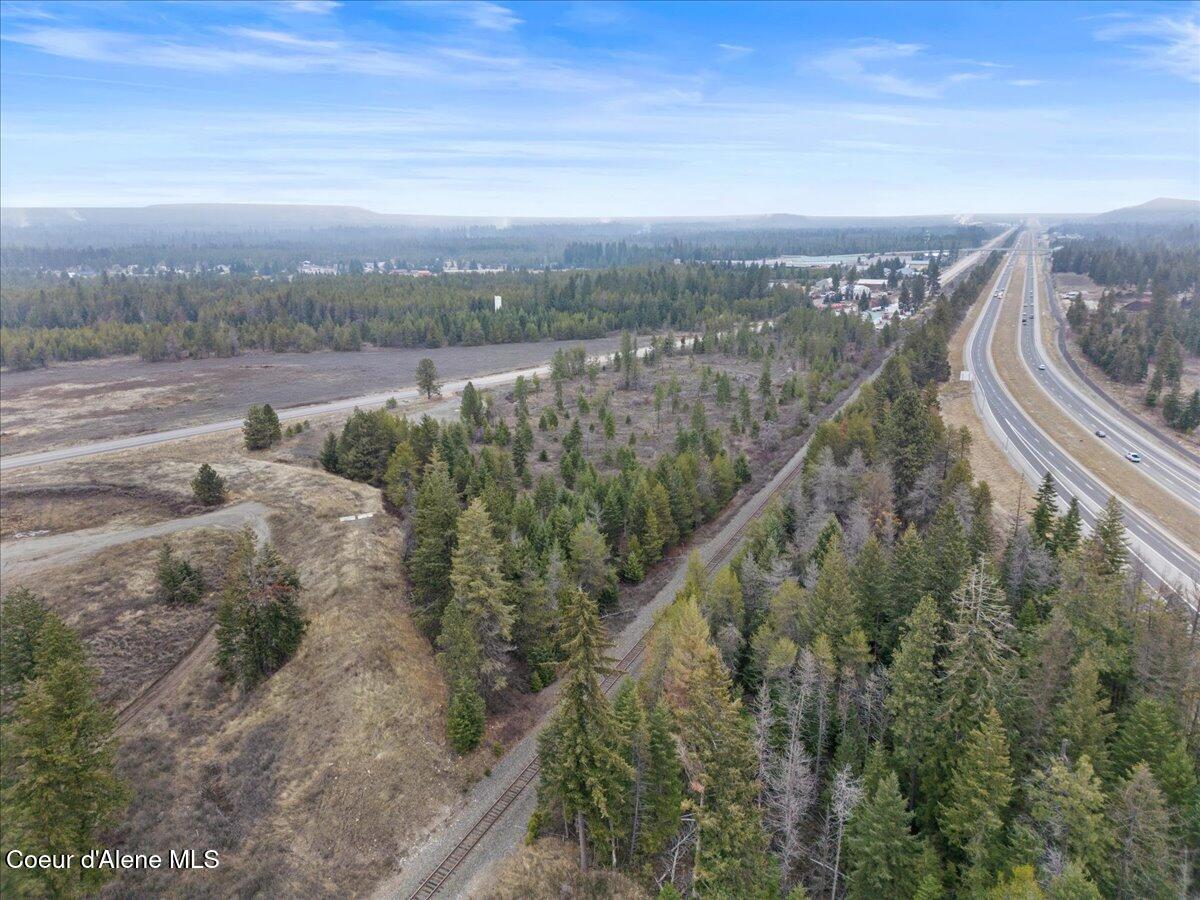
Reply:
x=1101, y=433
x=1041, y=367
x=1133, y=456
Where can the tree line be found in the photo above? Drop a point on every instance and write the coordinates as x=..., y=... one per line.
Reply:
x=163, y=319
x=1139, y=260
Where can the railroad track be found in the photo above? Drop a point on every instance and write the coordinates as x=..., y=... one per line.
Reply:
x=433, y=883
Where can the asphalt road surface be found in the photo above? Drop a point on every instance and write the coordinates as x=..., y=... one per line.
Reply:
x=1036, y=453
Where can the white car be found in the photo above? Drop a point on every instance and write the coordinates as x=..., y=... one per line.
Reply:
x=1133, y=456
x=1041, y=367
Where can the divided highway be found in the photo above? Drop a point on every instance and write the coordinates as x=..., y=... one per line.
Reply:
x=1036, y=453
x=1160, y=462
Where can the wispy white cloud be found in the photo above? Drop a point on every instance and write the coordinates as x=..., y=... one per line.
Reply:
x=1168, y=43
x=287, y=39
x=477, y=13
x=734, y=51
x=311, y=7
x=1026, y=82
x=858, y=64
x=285, y=52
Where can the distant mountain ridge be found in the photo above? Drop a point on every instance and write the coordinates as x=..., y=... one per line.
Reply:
x=254, y=222
x=1160, y=211
x=257, y=215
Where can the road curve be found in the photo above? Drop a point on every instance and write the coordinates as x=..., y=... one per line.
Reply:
x=1035, y=453
x=24, y=556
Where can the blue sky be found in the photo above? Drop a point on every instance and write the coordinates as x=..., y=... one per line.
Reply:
x=490, y=108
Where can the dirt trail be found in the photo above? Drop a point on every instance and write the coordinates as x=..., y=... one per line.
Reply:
x=21, y=557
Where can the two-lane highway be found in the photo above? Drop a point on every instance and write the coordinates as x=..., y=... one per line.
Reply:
x=1035, y=453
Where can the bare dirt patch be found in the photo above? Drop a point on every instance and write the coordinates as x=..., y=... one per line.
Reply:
x=1174, y=515
x=55, y=508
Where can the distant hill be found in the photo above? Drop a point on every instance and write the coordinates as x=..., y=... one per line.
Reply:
x=1161, y=211
x=241, y=217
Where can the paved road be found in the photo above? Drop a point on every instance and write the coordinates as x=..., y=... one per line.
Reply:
x=1161, y=462
x=21, y=557
x=1036, y=453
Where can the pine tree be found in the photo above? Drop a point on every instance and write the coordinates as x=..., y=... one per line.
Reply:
x=633, y=733
x=913, y=699
x=881, y=852
x=271, y=427
x=1045, y=513
x=24, y=617
x=1109, y=537
x=871, y=578
x=1072, y=883
x=949, y=555
x=910, y=440
x=459, y=657
x=208, y=487
x=723, y=603
x=1145, y=857
x=61, y=789
x=1149, y=734
x=1069, y=530
x=981, y=538
x=978, y=666
x=590, y=564
x=433, y=539
x=1067, y=807
x=427, y=378
x=178, y=581
x=471, y=409
x=261, y=428
x=478, y=587
x=259, y=621
x=582, y=769
x=909, y=576
x=833, y=608
x=973, y=814
x=663, y=776
x=1084, y=722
